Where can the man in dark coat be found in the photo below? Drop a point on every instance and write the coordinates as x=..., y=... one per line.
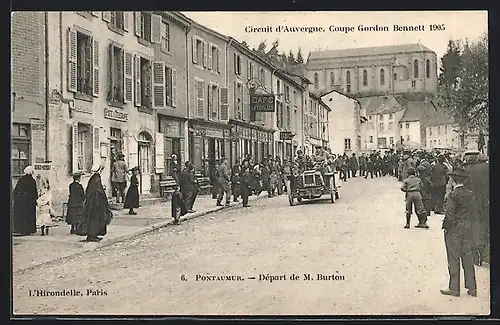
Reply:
x=235, y=180
x=439, y=180
x=245, y=179
x=224, y=177
x=460, y=215
x=75, y=202
x=188, y=185
x=479, y=184
x=369, y=166
x=132, y=197
x=426, y=188
x=353, y=165
x=96, y=214
x=24, y=204
x=362, y=165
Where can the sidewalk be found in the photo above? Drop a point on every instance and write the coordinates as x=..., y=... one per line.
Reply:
x=35, y=250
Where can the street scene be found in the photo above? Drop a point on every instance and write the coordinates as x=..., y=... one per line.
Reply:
x=193, y=163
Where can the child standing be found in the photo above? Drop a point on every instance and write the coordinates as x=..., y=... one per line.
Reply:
x=75, y=202
x=44, y=211
x=178, y=206
x=132, y=197
x=412, y=186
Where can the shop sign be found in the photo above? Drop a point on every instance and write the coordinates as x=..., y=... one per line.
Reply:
x=115, y=114
x=214, y=133
x=262, y=103
x=286, y=135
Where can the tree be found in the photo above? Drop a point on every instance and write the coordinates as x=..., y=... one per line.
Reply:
x=283, y=59
x=261, y=49
x=464, y=86
x=450, y=64
x=290, y=60
x=300, y=59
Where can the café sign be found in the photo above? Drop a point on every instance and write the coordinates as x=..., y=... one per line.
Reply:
x=285, y=135
x=262, y=103
x=115, y=114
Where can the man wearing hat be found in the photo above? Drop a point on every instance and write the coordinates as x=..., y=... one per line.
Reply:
x=412, y=187
x=439, y=180
x=426, y=188
x=459, y=236
x=119, y=171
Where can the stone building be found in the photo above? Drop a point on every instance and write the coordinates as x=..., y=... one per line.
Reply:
x=29, y=101
x=413, y=122
x=370, y=71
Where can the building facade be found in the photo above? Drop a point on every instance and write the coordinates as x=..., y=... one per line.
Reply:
x=345, y=123
x=316, y=123
x=410, y=68
x=412, y=125
x=29, y=101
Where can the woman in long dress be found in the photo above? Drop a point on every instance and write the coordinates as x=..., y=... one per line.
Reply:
x=75, y=202
x=24, y=204
x=44, y=211
x=96, y=214
x=132, y=197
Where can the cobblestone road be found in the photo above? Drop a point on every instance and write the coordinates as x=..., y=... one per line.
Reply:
x=387, y=270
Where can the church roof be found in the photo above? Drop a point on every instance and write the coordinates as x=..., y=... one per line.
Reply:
x=368, y=51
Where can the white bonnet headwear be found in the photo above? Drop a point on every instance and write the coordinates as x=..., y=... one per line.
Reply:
x=29, y=170
x=95, y=168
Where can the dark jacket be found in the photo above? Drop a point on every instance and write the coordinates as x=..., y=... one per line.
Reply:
x=76, y=195
x=132, y=197
x=24, y=207
x=459, y=216
x=187, y=181
x=439, y=177
x=353, y=163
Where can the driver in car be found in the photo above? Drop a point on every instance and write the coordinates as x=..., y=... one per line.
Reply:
x=320, y=162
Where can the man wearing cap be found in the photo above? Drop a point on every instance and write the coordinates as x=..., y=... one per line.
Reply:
x=412, y=187
x=439, y=180
x=119, y=172
x=459, y=217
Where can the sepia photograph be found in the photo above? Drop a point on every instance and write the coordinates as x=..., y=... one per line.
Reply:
x=266, y=163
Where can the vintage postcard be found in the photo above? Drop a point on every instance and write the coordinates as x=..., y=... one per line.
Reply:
x=250, y=163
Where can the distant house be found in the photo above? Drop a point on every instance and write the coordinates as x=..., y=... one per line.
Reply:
x=441, y=131
x=412, y=124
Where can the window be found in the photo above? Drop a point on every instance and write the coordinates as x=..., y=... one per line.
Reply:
x=84, y=148
x=391, y=141
x=395, y=76
x=238, y=104
x=262, y=77
x=370, y=117
x=213, y=101
x=84, y=64
x=407, y=137
x=144, y=153
x=165, y=37
x=213, y=58
x=237, y=64
x=400, y=126
x=430, y=130
x=390, y=126
x=116, y=74
x=435, y=143
x=117, y=19
x=446, y=129
x=347, y=144
x=316, y=81
x=428, y=68
x=145, y=27
x=278, y=87
x=287, y=93
x=288, y=118
x=439, y=142
x=382, y=77
x=348, y=81
x=143, y=82
x=332, y=78
x=407, y=125
x=365, y=78
x=20, y=149
x=390, y=116
x=415, y=69
x=200, y=51
x=370, y=139
x=170, y=86
x=413, y=83
x=439, y=130
x=381, y=126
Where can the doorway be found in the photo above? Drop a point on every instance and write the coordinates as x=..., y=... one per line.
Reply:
x=144, y=143
x=115, y=148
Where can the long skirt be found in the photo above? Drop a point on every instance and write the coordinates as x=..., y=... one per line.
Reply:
x=132, y=198
x=73, y=215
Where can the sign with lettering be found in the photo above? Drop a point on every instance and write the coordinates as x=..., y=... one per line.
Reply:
x=43, y=176
x=115, y=114
x=285, y=135
x=214, y=133
x=262, y=103
x=38, y=140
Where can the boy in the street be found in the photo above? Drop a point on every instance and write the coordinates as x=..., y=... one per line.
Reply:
x=412, y=186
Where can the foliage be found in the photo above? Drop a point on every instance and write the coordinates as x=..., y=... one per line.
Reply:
x=282, y=60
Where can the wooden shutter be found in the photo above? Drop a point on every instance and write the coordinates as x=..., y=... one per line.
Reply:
x=210, y=107
x=159, y=153
x=205, y=54
x=137, y=75
x=72, y=60
x=224, y=104
x=235, y=63
x=96, y=152
x=195, y=49
x=182, y=158
x=174, y=88
x=74, y=148
x=200, y=92
x=137, y=23
x=106, y=16
x=158, y=84
x=125, y=20
x=244, y=106
x=95, y=68
x=111, y=72
x=156, y=22
x=128, y=62
x=248, y=69
x=133, y=158
x=218, y=60
x=210, y=56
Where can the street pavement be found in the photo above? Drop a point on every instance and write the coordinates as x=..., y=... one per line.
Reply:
x=369, y=264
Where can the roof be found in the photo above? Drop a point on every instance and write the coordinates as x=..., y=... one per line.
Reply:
x=368, y=51
x=417, y=110
x=380, y=104
x=440, y=117
x=339, y=92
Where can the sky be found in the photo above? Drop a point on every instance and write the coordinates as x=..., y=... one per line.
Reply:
x=457, y=25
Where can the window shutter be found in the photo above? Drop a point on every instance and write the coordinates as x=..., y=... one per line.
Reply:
x=111, y=72
x=174, y=88
x=158, y=84
x=106, y=16
x=96, y=153
x=210, y=56
x=137, y=65
x=195, y=49
x=235, y=63
x=74, y=148
x=248, y=69
x=125, y=20
x=137, y=23
x=210, y=107
x=236, y=96
x=159, y=153
x=95, y=68
x=128, y=76
x=200, y=99
x=218, y=60
x=156, y=23
x=133, y=159
x=182, y=158
x=224, y=104
x=72, y=58
x=205, y=54
x=245, y=111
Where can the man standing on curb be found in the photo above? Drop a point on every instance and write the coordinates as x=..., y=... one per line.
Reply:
x=188, y=185
x=224, y=176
